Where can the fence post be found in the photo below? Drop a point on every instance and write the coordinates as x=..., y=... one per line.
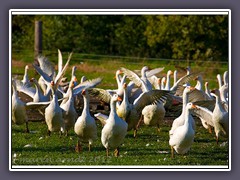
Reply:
x=38, y=39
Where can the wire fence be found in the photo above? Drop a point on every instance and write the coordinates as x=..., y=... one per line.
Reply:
x=211, y=67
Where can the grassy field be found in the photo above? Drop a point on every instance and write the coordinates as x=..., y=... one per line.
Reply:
x=93, y=66
x=149, y=148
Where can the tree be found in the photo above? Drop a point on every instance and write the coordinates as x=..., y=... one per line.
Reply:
x=201, y=37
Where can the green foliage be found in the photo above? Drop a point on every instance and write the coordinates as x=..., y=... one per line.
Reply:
x=192, y=37
x=189, y=37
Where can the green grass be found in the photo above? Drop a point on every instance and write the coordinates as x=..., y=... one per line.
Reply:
x=149, y=148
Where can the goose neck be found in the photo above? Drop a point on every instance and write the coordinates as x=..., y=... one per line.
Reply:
x=218, y=104
x=187, y=117
x=113, y=108
x=185, y=99
x=86, y=103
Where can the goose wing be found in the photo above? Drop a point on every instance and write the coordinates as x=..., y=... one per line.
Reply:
x=101, y=94
x=209, y=104
x=62, y=72
x=101, y=117
x=203, y=113
x=178, y=86
x=86, y=85
x=133, y=77
x=150, y=97
x=197, y=95
x=154, y=71
x=45, y=76
x=60, y=61
x=46, y=65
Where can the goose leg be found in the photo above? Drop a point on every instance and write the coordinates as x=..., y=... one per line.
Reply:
x=78, y=147
x=158, y=128
x=89, y=147
x=49, y=133
x=66, y=134
x=210, y=129
x=107, y=151
x=135, y=133
x=140, y=121
x=172, y=152
x=27, y=129
x=60, y=134
x=116, y=152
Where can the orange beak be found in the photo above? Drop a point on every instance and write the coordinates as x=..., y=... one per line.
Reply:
x=194, y=106
x=196, y=78
x=32, y=79
x=52, y=83
x=125, y=85
x=83, y=92
x=75, y=79
x=192, y=88
x=119, y=98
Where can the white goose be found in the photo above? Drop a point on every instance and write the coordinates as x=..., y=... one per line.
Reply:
x=225, y=77
x=218, y=118
x=115, y=129
x=85, y=126
x=182, y=138
x=179, y=121
x=143, y=80
x=54, y=113
x=168, y=81
x=224, y=96
x=199, y=82
x=25, y=80
x=131, y=111
x=19, y=114
x=207, y=91
x=175, y=73
x=219, y=79
x=69, y=113
x=39, y=96
x=47, y=72
x=163, y=82
x=154, y=114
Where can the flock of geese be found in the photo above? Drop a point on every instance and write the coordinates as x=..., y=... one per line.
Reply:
x=141, y=97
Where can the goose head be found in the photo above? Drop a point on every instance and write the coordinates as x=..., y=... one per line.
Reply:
x=33, y=80
x=188, y=89
x=83, y=78
x=188, y=69
x=191, y=105
x=144, y=70
x=169, y=73
x=225, y=77
x=83, y=92
x=118, y=72
x=198, y=78
x=52, y=86
x=71, y=85
x=26, y=67
x=215, y=92
x=116, y=98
